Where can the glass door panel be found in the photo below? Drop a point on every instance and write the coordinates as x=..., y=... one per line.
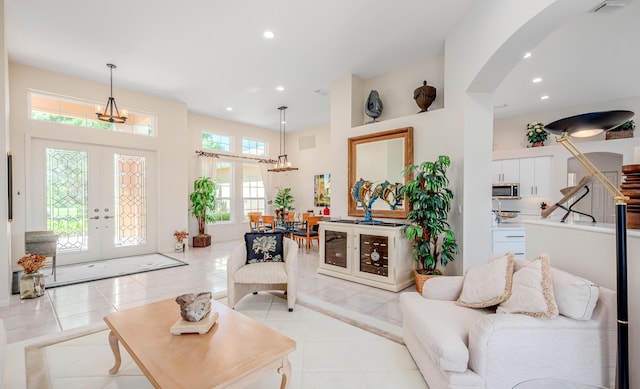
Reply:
x=95, y=198
x=374, y=254
x=66, y=198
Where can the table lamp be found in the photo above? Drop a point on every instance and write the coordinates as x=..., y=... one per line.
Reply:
x=585, y=125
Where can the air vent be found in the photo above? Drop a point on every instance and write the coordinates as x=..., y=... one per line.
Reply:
x=307, y=142
x=321, y=92
x=609, y=6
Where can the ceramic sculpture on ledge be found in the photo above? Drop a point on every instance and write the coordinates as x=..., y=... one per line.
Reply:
x=424, y=96
x=373, y=107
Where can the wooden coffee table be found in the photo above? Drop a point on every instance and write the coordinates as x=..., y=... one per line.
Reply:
x=235, y=352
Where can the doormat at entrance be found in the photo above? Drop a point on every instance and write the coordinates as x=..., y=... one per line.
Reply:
x=99, y=270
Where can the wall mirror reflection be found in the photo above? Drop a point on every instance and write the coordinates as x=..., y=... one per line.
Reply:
x=379, y=160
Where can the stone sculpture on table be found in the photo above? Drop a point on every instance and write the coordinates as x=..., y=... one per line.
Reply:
x=194, y=307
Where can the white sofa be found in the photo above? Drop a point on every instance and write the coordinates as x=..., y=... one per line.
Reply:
x=459, y=347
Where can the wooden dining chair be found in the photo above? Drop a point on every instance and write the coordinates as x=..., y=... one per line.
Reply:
x=254, y=221
x=309, y=233
x=268, y=223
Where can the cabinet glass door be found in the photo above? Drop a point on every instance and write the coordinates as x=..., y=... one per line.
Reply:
x=374, y=254
x=335, y=248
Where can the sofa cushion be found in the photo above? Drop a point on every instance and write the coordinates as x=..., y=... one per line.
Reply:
x=576, y=297
x=264, y=247
x=261, y=273
x=532, y=290
x=441, y=327
x=487, y=285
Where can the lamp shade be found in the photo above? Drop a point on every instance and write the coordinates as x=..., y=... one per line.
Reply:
x=602, y=121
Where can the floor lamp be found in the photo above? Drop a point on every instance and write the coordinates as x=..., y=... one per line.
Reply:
x=590, y=124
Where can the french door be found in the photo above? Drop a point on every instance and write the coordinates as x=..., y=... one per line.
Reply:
x=98, y=200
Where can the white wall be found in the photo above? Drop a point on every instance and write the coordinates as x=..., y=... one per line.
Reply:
x=5, y=226
x=396, y=89
x=170, y=145
x=310, y=162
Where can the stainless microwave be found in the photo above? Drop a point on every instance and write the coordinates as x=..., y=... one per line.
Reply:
x=506, y=191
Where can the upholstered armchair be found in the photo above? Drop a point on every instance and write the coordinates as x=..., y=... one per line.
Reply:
x=243, y=278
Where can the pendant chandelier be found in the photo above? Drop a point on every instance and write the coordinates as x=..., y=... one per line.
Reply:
x=282, y=164
x=110, y=113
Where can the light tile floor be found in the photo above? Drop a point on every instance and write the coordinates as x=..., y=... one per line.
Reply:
x=329, y=354
x=78, y=305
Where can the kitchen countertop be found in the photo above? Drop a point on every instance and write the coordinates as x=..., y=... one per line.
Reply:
x=508, y=226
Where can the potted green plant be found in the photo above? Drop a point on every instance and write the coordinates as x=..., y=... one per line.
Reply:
x=282, y=202
x=429, y=199
x=203, y=204
x=536, y=134
x=625, y=130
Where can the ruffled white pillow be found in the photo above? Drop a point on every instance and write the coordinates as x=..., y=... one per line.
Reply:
x=487, y=285
x=532, y=290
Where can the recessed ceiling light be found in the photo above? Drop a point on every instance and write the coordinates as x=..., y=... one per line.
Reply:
x=526, y=55
x=280, y=88
x=536, y=80
x=545, y=97
x=229, y=109
x=268, y=34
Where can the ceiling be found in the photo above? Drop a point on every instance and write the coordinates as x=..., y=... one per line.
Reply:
x=211, y=54
x=593, y=58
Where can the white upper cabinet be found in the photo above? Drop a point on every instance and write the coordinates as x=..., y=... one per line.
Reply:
x=506, y=171
x=535, y=177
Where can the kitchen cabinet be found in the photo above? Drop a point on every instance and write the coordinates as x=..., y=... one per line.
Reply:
x=506, y=171
x=374, y=255
x=511, y=239
x=535, y=177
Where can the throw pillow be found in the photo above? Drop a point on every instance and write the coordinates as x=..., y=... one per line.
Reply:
x=576, y=297
x=264, y=247
x=487, y=285
x=532, y=290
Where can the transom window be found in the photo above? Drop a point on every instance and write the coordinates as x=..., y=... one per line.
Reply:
x=57, y=109
x=254, y=147
x=216, y=142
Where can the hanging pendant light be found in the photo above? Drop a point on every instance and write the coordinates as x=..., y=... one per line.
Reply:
x=282, y=164
x=110, y=113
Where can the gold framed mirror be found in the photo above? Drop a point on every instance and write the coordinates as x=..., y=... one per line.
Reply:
x=376, y=158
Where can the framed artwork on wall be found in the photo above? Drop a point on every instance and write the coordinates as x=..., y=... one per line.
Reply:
x=322, y=190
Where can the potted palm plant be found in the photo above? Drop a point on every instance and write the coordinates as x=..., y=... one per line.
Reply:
x=429, y=199
x=283, y=201
x=203, y=204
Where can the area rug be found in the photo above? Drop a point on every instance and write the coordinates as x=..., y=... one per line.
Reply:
x=98, y=270
x=41, y=357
